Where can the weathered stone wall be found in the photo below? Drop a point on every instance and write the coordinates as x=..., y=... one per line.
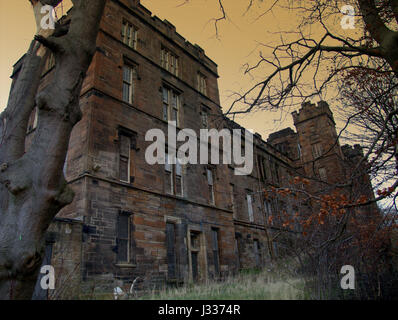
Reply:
x=92, y=169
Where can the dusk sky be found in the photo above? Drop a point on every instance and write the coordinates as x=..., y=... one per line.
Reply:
x=238, y=42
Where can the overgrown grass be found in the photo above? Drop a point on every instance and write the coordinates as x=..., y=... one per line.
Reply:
x=262, y=285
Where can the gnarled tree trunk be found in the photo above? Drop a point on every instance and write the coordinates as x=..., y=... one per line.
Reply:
x=32, y=186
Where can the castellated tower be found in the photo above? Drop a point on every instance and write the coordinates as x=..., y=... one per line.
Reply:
x=320, y=152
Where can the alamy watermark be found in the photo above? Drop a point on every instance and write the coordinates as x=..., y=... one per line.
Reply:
x=190, y=153
x=348, y=280
x=348, y=21
x=48, y=20
x=48, y=279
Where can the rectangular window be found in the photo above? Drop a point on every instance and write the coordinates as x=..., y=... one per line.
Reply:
x=174, y=177
x=123, y=238
x=194, y=248
x=178, y=179
x=317, y=150
x=216, y=251
x=262, y=167
x=250, y=207
x=257, y=253
x=171, y=105
x=210, y=183
x=129, y=75
x=205, y=119
x=169, y=176
x=169, y=61
x=171, y=250
x=124, y=157
x=232, y=191
x=129, y=35
x=201, y=83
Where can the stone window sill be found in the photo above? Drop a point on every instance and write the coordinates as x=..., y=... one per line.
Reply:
x=125, y=265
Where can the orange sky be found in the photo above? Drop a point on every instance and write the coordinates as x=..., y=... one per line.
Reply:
x=238, y=42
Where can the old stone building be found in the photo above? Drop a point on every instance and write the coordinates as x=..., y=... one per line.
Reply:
x=167, y=223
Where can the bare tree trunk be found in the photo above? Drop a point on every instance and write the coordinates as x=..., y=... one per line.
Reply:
x=32, y=185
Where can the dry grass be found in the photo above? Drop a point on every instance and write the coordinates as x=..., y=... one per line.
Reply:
x=248, y=286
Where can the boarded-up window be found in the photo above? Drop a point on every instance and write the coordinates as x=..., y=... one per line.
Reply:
x=216, y=251
x=171, y=250
x=123, y=237
x=257, y=253
x=195, y=270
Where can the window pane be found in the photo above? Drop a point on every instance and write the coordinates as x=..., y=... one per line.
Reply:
x=126, y=92
x=169, y=182
x=123, y=237
x=250, y=207
x=171, y=251
x=165, y=112
x=178, y=186
x=123, y=169
x=168, y=166
x=211, y=193
x=178, y=168
x=165, y=95
x=125, y=145
x=124, y=31
x=127, y=74
x=209, y=177
x=175, y=116
x=123, y=226
x=122, y=250
x=166, y=62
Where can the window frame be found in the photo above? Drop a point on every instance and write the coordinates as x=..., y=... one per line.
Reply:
x=130, y=83
x=174, y=172
x=201, y=80
x=210, y=183
x=317, y=150
x=250, y=210
x=131, y=41
x=170, y=105
x=215, y=235
x=126, y=215
x=169, y=61
x=132, y=136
